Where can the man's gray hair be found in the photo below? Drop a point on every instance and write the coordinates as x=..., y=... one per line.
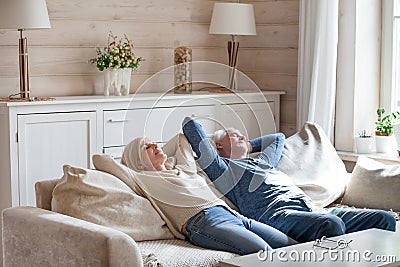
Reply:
x=219, y=134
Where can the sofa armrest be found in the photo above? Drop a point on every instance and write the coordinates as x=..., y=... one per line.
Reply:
x=37, y=237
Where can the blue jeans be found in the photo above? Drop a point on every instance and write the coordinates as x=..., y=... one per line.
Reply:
x=307, y=226
x=222, y=229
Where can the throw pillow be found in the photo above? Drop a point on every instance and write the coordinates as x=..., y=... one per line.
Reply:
x=373, y=185
x=104, y=199
x=310, y=159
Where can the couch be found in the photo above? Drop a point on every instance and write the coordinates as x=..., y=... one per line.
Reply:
x=36, y=236
x=41, y=236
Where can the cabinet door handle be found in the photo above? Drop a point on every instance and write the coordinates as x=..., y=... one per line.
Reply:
x=111, y=120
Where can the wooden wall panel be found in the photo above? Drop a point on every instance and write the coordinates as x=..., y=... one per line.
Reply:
x=58, y=56
x=75, y=60
x=94, y=33
x=266, y=11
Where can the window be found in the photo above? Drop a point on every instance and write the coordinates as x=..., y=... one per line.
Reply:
x=396, y=54
x=390, y=67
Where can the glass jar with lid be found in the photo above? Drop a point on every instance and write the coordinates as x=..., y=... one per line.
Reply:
x=183, y=70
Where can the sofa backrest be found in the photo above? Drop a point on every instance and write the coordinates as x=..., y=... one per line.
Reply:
x=44, y=193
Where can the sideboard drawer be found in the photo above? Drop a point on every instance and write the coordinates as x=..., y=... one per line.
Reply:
x=118, y=123
x=159, y=124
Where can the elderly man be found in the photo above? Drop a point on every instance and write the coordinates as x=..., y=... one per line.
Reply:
x=267, y=195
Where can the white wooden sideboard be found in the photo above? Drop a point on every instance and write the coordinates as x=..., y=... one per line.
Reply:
x=37, y=138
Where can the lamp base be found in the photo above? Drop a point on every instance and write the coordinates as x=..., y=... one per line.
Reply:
x=23, y=67
x=233, y=49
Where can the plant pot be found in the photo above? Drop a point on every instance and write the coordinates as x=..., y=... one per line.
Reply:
x=364, y=144
x=384, y=144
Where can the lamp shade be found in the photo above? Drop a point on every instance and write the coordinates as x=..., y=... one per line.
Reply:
x=23, y=14
x=233, y=19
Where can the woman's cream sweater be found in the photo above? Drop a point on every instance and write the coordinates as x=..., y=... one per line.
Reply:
x=177, y=194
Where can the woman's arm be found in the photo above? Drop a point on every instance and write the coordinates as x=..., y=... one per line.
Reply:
x=270, y=146
x=178, y=149
x=207, y=157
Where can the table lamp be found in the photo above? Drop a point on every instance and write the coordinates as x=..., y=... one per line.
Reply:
x=23, y=15
x=233, y=19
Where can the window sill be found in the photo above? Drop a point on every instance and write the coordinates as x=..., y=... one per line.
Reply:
x=391, y=158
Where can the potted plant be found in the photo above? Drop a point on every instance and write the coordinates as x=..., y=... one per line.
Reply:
x=384, y=131
x=364, y=142
x=117, y=59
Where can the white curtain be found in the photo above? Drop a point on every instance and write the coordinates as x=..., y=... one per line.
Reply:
x=316, y=84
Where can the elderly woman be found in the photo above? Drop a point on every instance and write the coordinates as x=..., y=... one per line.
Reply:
x=188, y=205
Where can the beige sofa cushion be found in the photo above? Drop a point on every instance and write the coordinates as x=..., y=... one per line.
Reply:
x=44, y=193
x=103, y=199
x=310, y=159
x=373, y=185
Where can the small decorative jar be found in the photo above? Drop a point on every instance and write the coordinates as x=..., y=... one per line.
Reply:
x=183, y=70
